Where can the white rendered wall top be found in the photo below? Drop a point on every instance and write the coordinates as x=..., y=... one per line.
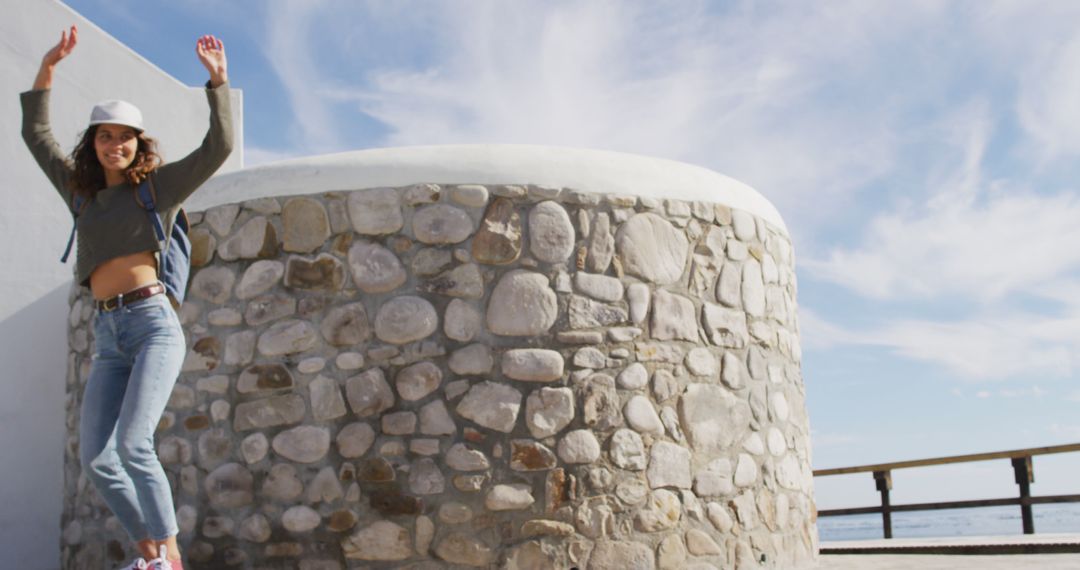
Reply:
x=34, y=226
x=586, y=170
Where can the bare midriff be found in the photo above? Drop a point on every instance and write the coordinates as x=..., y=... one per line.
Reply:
x=122, y=274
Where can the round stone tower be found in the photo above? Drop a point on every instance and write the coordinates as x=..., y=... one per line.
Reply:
x=478, y=357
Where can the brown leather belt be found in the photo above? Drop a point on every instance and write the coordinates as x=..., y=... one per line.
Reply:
x=133, y=296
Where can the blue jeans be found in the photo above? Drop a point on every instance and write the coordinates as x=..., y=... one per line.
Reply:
x=140, y=348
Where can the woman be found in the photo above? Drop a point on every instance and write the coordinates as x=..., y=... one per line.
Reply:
x=139, y=343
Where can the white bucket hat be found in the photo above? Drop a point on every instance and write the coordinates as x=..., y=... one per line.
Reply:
x=118, y=113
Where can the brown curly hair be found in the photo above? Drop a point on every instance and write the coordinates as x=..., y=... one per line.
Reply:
x=89, y=176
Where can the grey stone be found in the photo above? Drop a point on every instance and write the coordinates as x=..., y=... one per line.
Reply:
x=724, y=327
x=346, y=325
x=416, y=381
x=441, y=224
x=754, y=444
x=633, y=377
x=669, y=466
x=776, y=442
x=743, y=224
x=256, y=239
x=306, y=225
x=701, y=544
x=229, y=486
x=662, y=512
x=203, y=246
x=268, y=308
x=579, y=446
x=425, y=533
x=529, y=455
x=269, y=412
x=673, y=317
x=259, y=278
x=548, y=411
x=455, y=389
x=264, y=378
x=540, y=527
x=213, y=284
x=422, y=194
x=265, y=206
x=729, y=286
x=652, y=249
x=461, y=321
x=611, y=555
x=172, y=450
x=670, y=418
x=746, y=471
x=355, y=439
x=459, y=457
x=424, y=446
x=287, y=337
x=302, y=444
x=240, y=348
x=399, y=423
x=671, y=554
x=623, y=334
x=498, y=240
x=780, y=409
x=457, y=548
x=600, y=403
x=637, y=294
x=300, y=518
x=522, y=304
x=589, y=357
x=368, y=393
x=627, y=450
x=217, y=384
x=375, y=212
x=601, y=245
x=435, y=419
x=585, y=313
x=551, y=234
x=714, y=480
x=425, y=478
x=713, y=418
x=455, y=513
x=471, y=360
x=733, y=373
x=374, y=268
x=641, y=415
x=253, y=448
x=471, y=195
x=224, y=317
x=513, y=497
x=324, y=273
x=753, y=289
x=632, y=491
x=204, y=355
x=405, y=319
x=701, y=361
x=379, y=541
x=580, y=337
x=462, y=281
x=532, y=365
x=324, y=487
x=737, y=250
x=790, y=474
x=430, y=261
x=221, y=218
x=326, y=400
x=491, y=405
x=255, y=528
x=599, y=287
x=719, y=517
x=282, y=484
x=349, y=361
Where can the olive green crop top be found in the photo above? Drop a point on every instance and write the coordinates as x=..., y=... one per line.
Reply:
x=113, y=224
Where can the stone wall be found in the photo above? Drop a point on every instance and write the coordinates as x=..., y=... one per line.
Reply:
x=477, y=376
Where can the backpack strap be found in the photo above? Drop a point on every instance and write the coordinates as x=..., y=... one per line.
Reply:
x=77, y=204
x=145, y=196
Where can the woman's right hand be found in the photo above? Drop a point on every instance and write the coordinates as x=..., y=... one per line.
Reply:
x=68, y=39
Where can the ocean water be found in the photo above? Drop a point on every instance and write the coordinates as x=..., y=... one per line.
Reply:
x=988, y=521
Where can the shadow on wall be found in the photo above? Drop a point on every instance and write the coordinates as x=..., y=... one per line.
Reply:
x=33, y=372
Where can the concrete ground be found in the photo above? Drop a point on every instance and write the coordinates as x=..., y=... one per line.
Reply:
x=949, y=562
x=953, y=561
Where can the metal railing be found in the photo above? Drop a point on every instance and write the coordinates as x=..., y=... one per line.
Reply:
x=1022, y=469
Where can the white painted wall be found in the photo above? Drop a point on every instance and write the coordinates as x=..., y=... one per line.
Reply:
x=34, y=225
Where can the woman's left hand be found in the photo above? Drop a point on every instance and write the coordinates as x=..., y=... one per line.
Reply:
x=211, y=54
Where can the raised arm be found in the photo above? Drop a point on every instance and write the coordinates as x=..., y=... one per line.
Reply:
x=68, y=39
x=177, y=180
x=36, y=131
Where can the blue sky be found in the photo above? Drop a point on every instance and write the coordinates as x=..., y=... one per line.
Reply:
x=923, y=154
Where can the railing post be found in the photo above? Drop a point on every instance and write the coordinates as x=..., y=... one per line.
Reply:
x=883, y=480
x=1025, y=476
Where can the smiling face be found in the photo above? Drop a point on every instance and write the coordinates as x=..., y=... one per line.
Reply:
x=115, y=146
